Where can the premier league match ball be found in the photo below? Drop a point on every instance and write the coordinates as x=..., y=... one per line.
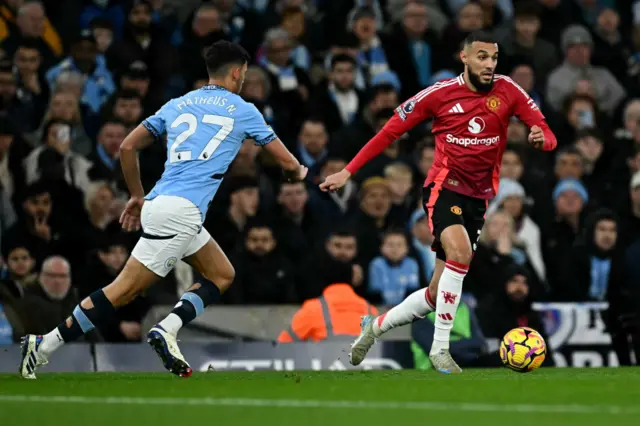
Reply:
x=523, y=349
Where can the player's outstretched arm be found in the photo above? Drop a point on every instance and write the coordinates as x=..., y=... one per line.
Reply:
x=395, y=127
x=293, y=170
x=139, y=138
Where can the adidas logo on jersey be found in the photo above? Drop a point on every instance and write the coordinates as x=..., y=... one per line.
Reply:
x=456, y=109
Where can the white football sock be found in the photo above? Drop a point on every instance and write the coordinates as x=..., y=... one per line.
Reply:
x=172, y=324
x=51, y=342
x=449, y=290
x=416, y=306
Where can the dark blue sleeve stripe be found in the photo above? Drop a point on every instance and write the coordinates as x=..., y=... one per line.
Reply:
x=151, y=129
x=266, y=140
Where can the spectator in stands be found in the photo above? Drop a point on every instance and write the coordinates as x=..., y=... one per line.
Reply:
x=126, y=105
x=594, y=266
x=136, y=77
x=610, y=49
x=339, y=245
x=524, y=75
x=521, y=40
x=290, y=85
x=300, y=222
x=22, y=113
x=630, y=224
x=400, y=179
x=102, y=30
x=468, y=18
x=32, y=86
x=65, y=106
x=348, y=140
x=372, y=57
x=99, y=84
x=577, y=45
x=227, y=228
x=597, y=161
x=113, y=12
x=102, y=213
x=393, y=275
x=334, y=205
x=106, y=156
x=371, y=220
x=334, y=314
x=106, y=258
x=263, y=274
x=55, y=160
x=312, y=145
x=11, y=322
x=340, y=102
x=569, y=198
x=580, y=113
x=413, y=49
x=424, y=154
x=498, y=248
x=7, y=213
x=293, y=22
x=143, y=40
x=18, y=271
x=34, y=228
x=13, y=151
x=512, y=200
x=53, y=298
x=509, y=305
x=421, y=241
x=31, y=22
x=390, y=154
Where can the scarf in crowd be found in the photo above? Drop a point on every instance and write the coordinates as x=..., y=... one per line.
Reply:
x=374, y=58
x=287, y=79
x=600, y=269
x=421, y=53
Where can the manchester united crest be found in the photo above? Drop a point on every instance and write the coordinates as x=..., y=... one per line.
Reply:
x=493, y=103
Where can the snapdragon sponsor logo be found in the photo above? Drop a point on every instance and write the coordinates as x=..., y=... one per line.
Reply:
x=472, y=141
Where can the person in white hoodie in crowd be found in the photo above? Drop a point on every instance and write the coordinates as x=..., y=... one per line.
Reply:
x=512, y=199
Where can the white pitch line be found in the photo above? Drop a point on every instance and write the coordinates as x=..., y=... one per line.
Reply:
x=301, y=403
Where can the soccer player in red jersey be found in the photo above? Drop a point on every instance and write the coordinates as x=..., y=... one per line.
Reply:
x=470, y=116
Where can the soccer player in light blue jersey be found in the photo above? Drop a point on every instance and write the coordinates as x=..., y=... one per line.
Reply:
x=205, y=129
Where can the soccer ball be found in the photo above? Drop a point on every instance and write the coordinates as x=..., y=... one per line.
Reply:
x=523, y=349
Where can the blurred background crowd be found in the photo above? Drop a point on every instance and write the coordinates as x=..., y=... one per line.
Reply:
x=77, y=75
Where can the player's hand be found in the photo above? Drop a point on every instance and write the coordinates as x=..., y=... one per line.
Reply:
x=130, y=218
x=297, y=175
x=335, y=181
x=302, y=173
x=536, y=137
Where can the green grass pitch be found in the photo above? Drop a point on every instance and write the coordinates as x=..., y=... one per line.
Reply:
x=546, y=397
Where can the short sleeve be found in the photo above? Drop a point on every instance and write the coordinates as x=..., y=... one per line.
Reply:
x=524, y=107
x=257, y=128
x=157, y=123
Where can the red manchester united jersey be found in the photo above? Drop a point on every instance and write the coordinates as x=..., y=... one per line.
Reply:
x=470, y=129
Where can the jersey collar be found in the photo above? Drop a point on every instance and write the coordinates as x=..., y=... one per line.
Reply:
x=213, y=87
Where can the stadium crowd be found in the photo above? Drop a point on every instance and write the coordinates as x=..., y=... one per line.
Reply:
x=77, y=75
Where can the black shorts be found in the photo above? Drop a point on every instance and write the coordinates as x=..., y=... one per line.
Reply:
x=445, y=208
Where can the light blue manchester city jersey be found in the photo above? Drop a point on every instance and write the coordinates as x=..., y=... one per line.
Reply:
x=205, y=129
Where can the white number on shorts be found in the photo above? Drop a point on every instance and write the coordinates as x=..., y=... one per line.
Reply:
x=226, y=126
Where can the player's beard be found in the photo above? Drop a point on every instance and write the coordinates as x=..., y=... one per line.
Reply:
x=474, y=79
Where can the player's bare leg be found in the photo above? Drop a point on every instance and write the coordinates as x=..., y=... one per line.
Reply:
x=94, y=311
x=214, y=265
x=457, y=247
x=416, y=306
